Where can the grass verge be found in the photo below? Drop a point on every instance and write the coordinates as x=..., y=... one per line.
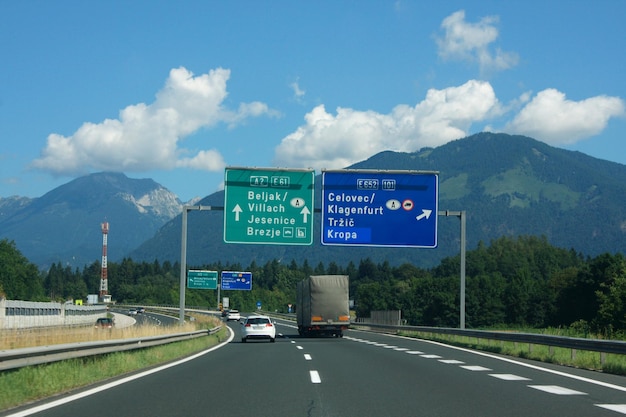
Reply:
x=28, y=384
x=609, y=363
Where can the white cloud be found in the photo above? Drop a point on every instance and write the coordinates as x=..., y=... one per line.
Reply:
x=246, y=111
x=338, y=141
x=470, y=42
x=328, y=141
x=550, y=117
x=298, y=93
x=146, y=136
x=210, y=160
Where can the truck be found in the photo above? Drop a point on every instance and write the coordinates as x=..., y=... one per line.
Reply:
x=322, y=305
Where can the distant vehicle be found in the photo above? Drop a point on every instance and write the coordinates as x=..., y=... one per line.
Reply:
x=141, y=310
x=104, y=323
x=258, y=327
x=322, y=305
x=132, y=312
x=233, y=315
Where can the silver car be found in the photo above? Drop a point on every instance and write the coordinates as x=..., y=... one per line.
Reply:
x=233, y=315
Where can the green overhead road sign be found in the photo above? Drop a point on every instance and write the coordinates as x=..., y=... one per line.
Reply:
x=203, y=280
x=268, y=206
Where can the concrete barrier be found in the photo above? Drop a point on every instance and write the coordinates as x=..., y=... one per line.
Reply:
x=16, y=314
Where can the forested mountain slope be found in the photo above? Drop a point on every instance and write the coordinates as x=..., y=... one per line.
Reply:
x=508, y=185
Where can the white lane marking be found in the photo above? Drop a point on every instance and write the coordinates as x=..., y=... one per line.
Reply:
x=620, y=408
x=105, y=387
x=451, y=361
x=513, y=361
x=299, y=347
x=431, y=356
x=292, y=341
x=315, y=377
x=476, y=368
x=307, y=357
x=414, y=352
x=555, y=389
x=401, y=349
x=510, y=377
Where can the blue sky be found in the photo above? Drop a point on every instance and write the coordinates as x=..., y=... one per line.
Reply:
x=177, y=91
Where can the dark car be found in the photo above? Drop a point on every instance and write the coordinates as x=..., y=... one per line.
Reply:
x=105, y=323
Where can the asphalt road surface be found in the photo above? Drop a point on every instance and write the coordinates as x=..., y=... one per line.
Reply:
x=362, y=374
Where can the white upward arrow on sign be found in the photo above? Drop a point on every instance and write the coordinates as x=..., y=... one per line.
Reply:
x=237, y=210
x=305, y=213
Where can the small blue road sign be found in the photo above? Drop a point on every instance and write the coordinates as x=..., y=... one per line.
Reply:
x=232, y=280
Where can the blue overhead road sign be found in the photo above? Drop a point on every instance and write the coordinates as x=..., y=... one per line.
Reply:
x=380, y=208
x=232, y=280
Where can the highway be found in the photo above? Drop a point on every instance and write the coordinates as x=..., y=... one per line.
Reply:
x=362, y=374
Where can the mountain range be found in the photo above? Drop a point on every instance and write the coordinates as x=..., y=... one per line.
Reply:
x=64, y=225
x=507, y=185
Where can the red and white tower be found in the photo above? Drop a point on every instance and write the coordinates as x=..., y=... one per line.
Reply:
x=104, y=287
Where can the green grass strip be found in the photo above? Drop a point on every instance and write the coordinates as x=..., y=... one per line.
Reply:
x=32, y=383
x=612, y=363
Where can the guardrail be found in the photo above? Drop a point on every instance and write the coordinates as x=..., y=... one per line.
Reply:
x=573, y=343
x=17, y=358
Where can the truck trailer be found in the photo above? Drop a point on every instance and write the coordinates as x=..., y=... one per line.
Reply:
x=322, y=305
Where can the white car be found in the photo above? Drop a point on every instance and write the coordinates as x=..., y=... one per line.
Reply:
x=258, y=327
x=233, y=315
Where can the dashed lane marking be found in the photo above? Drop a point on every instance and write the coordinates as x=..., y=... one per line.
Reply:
x=552, y=389
x=510, y=377
x=555, y=389
x=620, y=408
x=315, y=377
x=476, y=368
x=307, y=357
